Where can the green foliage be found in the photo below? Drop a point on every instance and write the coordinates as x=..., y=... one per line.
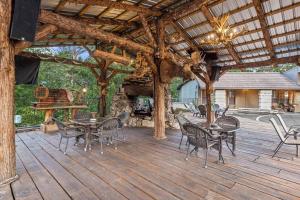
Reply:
x=173, y=87
x=59, y=75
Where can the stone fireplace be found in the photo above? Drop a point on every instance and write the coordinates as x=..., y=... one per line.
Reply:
x=123, y=103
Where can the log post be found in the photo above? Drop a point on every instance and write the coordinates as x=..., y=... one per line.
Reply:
x=209, y=90
x=7, y=86
x=159, y=115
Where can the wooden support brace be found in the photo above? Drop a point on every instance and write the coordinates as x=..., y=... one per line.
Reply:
x=111, y=56
x=86, y=30
x=42, y=33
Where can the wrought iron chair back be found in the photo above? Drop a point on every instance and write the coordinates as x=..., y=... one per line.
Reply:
x=197, y=136
x=202, y=109
x=228, y=122
x=123, y=117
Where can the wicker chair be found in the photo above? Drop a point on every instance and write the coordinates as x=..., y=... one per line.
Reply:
x=201, y=138
x=181, y=121
x=285, y=138
x=123, y=119
x=107, y=130
x=230, y=124
x=67, y=131
x=202, y=110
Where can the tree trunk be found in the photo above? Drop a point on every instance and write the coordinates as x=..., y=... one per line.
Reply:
x=209, y=90
x=7, y=86
x=159, y=115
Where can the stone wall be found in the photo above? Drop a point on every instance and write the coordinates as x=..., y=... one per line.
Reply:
x=121, y=103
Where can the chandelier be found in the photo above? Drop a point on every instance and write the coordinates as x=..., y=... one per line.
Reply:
x=223, y=32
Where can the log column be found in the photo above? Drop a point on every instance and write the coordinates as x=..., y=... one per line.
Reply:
x=159, y=115
x=209, y=90
x=7, y=86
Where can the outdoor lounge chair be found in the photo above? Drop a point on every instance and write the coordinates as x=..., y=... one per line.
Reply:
x=285, y=138
x=107, y=130
x=202, y=110
x=230, y=124
x=201, y=138
x=67, y=131
x=192, y=109
x=181, y=121
x=294, y=129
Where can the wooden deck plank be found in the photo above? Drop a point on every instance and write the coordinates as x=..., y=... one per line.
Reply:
x=6, y=193
x=71, y=184
x=144, y=168
x=45, y=183
x=24, y=188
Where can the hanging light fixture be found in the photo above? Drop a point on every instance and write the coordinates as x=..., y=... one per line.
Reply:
x=223, y=32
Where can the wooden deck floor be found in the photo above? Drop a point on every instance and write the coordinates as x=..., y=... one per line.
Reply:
x=144, y=168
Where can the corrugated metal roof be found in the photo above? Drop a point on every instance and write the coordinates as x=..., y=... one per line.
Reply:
x=243, y=13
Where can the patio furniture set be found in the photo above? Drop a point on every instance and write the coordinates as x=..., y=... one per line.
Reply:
x=105, y=129
x=201, y=135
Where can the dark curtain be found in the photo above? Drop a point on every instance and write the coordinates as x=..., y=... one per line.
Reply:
x=27, y=70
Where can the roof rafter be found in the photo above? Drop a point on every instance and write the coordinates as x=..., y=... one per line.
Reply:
x=264, y=26
x=61, y=5
x=272, y=61
x=117, y=5
x=184, y=35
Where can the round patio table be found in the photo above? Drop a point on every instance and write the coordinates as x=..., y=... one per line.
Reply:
x=89, y=125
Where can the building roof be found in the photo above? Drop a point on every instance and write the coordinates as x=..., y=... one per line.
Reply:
x=253, y=80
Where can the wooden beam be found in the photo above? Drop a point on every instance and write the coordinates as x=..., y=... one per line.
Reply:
x=161, y=35
x=42, y=33
x=105, y=21
x=111, y=56
x=86, y=30
x=117, y=5
x=49, y=58
x=264, y=26
x=273, y=61
x=188, y=7
x=184, y=35
x=209, y=16
x=159, y=112
x=147, y=30
x=7, y=90
x=70, y=40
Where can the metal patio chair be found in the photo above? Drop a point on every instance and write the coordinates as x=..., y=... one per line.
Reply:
x=181, y=121
x=68, y=131
x=80, y=115
x=294, y=129
x=107, y=130
x=202, y=110
x=284, y=138
x=201, y=138
x=123, y=119
x=230, y=125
